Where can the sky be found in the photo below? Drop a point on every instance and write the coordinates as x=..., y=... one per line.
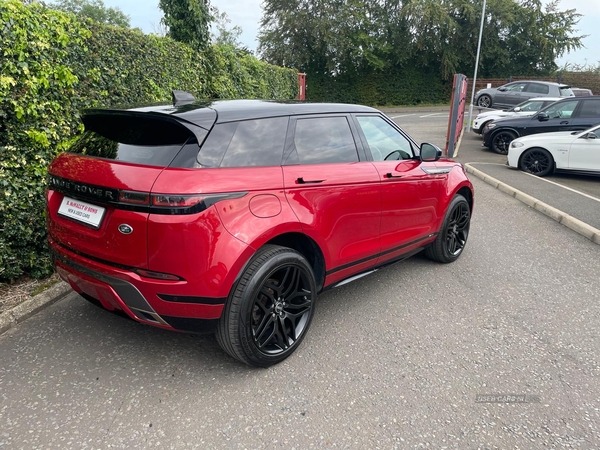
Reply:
x=246, y=14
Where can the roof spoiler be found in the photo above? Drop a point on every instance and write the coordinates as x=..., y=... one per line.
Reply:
x=182, y=98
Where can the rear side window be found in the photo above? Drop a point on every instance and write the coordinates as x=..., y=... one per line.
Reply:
x=538, y=88
x=243, y=144
x=590, y=108
x=133, y=139
x=323, y=140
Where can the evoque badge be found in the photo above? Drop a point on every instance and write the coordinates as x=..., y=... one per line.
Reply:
x=125, y=229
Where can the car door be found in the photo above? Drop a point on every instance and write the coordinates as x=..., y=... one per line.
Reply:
x=587, y=115
x=334, y=191
x=585, y=152
x=408, y=193
x=512, y=94
x=557, y=117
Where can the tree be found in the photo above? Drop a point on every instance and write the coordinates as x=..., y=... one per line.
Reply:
x=187, y=21
x=223, y=34
x=95, y=10
x=336, y=37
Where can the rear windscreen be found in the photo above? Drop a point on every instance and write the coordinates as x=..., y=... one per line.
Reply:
x=566, y=92
x=139, y=140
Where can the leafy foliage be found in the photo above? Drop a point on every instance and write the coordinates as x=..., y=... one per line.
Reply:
x=95, y=10
x=52, y=66
x=352, y=39
x=187, y=21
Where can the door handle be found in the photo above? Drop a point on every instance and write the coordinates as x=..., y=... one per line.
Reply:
x=301, y=180
x=389, y=175
x=565, y=122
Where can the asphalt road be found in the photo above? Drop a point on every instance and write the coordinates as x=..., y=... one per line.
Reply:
x=393, y=360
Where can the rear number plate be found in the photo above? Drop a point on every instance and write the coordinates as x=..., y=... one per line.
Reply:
x=82, y=212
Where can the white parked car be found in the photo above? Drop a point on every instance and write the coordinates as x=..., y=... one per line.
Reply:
x=541, y=154
x=527, y=108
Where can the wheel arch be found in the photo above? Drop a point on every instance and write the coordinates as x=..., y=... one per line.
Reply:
x=467, y=193
x=308, y=248
x=501, y=130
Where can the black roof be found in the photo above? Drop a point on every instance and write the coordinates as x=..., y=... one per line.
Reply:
x=203, y=113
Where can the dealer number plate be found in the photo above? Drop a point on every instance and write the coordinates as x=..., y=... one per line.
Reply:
x=82, y=211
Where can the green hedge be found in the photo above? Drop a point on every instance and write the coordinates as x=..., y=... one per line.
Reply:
x=398, y=87
x=52, y=65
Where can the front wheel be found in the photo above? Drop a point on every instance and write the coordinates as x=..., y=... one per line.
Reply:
x=270, y=308
x=537, y=161
x=501, y=141
x=452, y=238
x=485, y=101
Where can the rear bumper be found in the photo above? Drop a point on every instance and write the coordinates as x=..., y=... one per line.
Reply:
x=152, y=302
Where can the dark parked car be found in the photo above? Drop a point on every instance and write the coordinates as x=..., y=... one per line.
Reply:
x=573, y=114
x=231, y=216
x=512, y=94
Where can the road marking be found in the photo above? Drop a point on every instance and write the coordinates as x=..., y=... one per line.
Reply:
x=434, y=114
x=403, y=115
x=539, y=178
x=565, y=187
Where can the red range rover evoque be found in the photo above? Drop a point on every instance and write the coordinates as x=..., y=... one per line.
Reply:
x=231, y=216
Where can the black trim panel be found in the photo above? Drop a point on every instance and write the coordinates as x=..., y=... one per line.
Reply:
x=192, y=299
x=360, y=261
x=191, y=325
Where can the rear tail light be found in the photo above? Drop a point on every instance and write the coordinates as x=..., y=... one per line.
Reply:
x=171, y=203
x=134, y=198
x=177, y=201
x=140, y=201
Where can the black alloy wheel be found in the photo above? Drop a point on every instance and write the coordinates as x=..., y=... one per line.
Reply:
x=537, y=161
x=270, y=309
x=485, y=101
x=452, y=238
x=281, y=309
x=457, y=230
x=501, y=141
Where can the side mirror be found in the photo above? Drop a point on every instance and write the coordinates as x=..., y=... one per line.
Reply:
x=502, y=89
x=517, y=109
x=590, y=135
x=543, y=116
x=429, y=152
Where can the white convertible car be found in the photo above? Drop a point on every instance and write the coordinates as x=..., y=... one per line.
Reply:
x=541, y=154
x=527, y=108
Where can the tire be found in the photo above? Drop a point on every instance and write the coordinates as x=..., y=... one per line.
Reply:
x=485, y=101
x=452, y=238
x=270, y=308
x=501, y=141
x=537, y=161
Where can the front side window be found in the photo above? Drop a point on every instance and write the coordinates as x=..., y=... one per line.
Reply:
x=518, y=87
x=561, y=110
x=532, y=106
x=323, y=140
x=243, y=144
x=384, y=141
